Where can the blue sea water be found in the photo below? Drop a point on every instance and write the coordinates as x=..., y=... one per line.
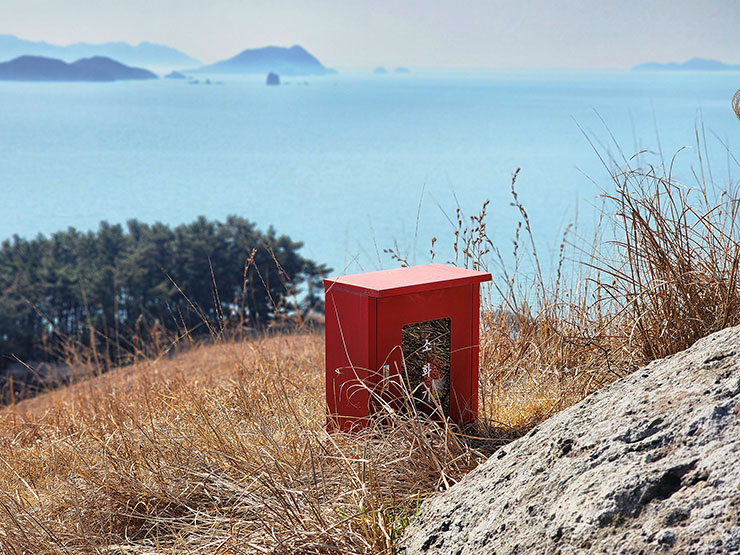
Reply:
x=345, y=163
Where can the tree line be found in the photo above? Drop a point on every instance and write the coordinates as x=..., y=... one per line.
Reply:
x=109, y=289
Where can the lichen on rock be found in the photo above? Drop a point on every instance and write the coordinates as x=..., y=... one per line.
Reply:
x=650, y=463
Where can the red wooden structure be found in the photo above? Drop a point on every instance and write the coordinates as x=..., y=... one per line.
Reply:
x=417, y=326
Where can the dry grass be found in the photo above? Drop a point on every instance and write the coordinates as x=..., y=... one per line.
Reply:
x=662, y=274
x=223, y=449
x=220, y=450
x=678, y=250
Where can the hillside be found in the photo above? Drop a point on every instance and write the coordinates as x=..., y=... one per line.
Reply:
x=143, y=54
x=223, y=445
x=293, y=61
x=36, y=68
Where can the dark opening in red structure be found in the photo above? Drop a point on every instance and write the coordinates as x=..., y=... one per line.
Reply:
x=417, y=326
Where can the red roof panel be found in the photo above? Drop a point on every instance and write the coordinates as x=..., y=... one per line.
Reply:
x=415, y=279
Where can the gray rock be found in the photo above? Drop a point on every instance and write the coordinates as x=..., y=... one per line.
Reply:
x=649, y=464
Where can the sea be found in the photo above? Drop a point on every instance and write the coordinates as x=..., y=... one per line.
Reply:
x=356, y=164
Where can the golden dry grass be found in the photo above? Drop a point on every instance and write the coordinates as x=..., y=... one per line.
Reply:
x=220, y=450
x=223, y=450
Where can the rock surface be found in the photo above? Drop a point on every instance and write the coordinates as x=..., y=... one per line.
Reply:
x=649, y=464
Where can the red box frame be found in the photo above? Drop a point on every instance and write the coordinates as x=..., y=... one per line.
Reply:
x=364, y=317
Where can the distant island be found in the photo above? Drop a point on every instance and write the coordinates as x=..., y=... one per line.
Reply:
x=694, y=64
x=381, y=70
x=144, y=54
x=293, y=61
x=175, y=75
x=98, y=68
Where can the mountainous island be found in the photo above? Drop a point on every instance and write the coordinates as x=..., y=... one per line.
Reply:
x=694, y=64
x=144, y=54
x=98, y=68
x=175, y=75
x=293, y=61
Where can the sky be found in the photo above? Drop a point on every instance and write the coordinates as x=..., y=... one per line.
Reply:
x=445, y=34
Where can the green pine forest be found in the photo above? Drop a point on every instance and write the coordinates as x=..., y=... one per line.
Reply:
x=110, y=291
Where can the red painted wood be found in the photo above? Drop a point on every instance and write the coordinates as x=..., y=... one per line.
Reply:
x=415, y=279
x=365, y=314
x=453, y=303
x=350, y=358
x=474, y=352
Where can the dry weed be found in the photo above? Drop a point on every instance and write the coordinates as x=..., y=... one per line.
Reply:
x=223, y=449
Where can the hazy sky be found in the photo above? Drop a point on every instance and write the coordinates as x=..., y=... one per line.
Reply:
x=414, y=33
